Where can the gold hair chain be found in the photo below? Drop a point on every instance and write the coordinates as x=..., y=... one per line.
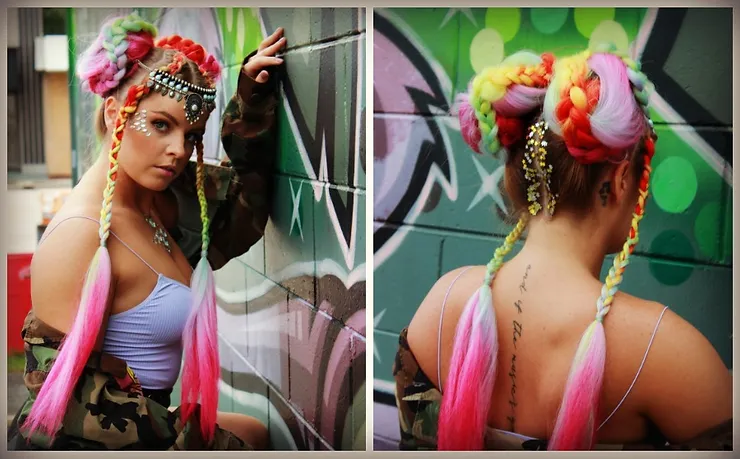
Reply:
x=536, y=170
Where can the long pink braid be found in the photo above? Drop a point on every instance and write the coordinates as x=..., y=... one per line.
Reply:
x=490, y=122
x=49, y=408
x=598, y=118
x=201, y=370
x=467, y=395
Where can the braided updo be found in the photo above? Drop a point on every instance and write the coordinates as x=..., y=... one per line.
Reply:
x=501, y=99
x=109, y=66
x=593, y=112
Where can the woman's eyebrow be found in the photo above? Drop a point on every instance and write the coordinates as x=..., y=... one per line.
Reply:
x=171, y=118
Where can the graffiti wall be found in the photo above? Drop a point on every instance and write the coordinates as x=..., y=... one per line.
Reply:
x=437, y=206
x=292, y=309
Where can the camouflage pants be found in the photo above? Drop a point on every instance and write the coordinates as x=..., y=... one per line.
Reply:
x=108, y=409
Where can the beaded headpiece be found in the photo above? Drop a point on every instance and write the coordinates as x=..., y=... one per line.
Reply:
x=198, y=100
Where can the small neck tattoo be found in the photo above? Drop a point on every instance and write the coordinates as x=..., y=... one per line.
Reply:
x=604, y=193
x=160, y=235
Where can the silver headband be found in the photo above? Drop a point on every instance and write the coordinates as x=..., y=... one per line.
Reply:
x=197, y=99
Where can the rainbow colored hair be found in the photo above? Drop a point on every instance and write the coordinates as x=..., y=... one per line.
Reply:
x=490, y=115
x=599, y=119
x=490, y=120
x=111, y=59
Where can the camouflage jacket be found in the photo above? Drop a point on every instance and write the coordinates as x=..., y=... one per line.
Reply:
x=239, y=215
x=108, y=409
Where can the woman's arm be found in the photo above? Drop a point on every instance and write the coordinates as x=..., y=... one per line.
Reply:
x=248, y=134
x=685, y=387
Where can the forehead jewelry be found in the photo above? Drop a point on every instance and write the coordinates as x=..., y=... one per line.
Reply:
x=536, y=170
x=197, y=99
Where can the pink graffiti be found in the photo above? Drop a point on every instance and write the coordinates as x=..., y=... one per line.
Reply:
x=346, y=349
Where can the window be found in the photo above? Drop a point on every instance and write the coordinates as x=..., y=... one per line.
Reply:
x=55, y=21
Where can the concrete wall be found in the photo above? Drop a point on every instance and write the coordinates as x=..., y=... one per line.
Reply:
x=291, y=310
x=437, y=206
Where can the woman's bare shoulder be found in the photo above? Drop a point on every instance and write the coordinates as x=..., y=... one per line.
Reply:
x=67, y=246
x=451, y=292
x=684, y=386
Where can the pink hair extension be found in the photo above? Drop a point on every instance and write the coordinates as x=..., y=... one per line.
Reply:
x=575, y=428
x=519, y=100
x=49, y=409
x=202, y=370
x=468, y=122
x=112, y=56
x=467, y=395
x=617, y=120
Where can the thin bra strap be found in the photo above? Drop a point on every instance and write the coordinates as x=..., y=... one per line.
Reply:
x=114, y=235
x=439, y=333
x=644, y=358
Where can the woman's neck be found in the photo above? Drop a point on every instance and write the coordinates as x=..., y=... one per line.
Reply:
x=128, y=193
x=580, y=242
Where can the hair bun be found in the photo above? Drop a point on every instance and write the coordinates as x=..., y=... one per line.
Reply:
x=112, y=57
x=500, y=97
x=597, y=103
x=207, y=64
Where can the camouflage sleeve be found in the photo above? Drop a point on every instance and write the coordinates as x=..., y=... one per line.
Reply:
x=248, y=135
x=718, y=438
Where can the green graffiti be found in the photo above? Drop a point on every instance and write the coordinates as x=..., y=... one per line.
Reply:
x=241, y=32
x=677, y=244
x=674, y=184
x=686, y=235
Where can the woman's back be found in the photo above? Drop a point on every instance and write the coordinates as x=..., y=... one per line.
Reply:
x=542, y=306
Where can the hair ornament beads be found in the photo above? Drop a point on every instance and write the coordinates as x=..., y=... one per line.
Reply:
x=536, y=169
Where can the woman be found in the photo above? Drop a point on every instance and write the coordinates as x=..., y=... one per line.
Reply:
x=108, y=385
x=492, y=366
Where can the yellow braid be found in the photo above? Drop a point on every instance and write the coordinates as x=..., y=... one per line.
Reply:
x=614, y=278
x=200, y=185
x=498, y=256
x=117, y=136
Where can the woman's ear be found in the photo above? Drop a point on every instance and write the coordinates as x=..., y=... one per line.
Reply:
x=110, y=112
x=617, y=183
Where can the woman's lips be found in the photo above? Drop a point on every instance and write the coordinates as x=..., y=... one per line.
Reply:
x=168, y=171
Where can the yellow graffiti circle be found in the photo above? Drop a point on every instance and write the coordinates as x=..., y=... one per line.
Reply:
x=610, y=32
x=587, y=19
x=487, y=48
x=505, y=20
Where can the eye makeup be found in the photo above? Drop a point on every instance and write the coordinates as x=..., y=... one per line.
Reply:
x=139, y=123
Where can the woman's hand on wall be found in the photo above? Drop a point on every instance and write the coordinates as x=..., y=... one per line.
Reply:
x=265, y=57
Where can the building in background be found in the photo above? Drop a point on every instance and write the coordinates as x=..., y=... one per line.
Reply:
x=39, y=128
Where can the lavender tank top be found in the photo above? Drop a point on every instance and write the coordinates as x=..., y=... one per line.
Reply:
x=148, y=337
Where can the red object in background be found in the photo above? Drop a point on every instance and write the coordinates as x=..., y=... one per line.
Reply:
x=19, y=297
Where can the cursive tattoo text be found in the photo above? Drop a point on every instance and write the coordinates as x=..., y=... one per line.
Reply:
x=516, y=336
